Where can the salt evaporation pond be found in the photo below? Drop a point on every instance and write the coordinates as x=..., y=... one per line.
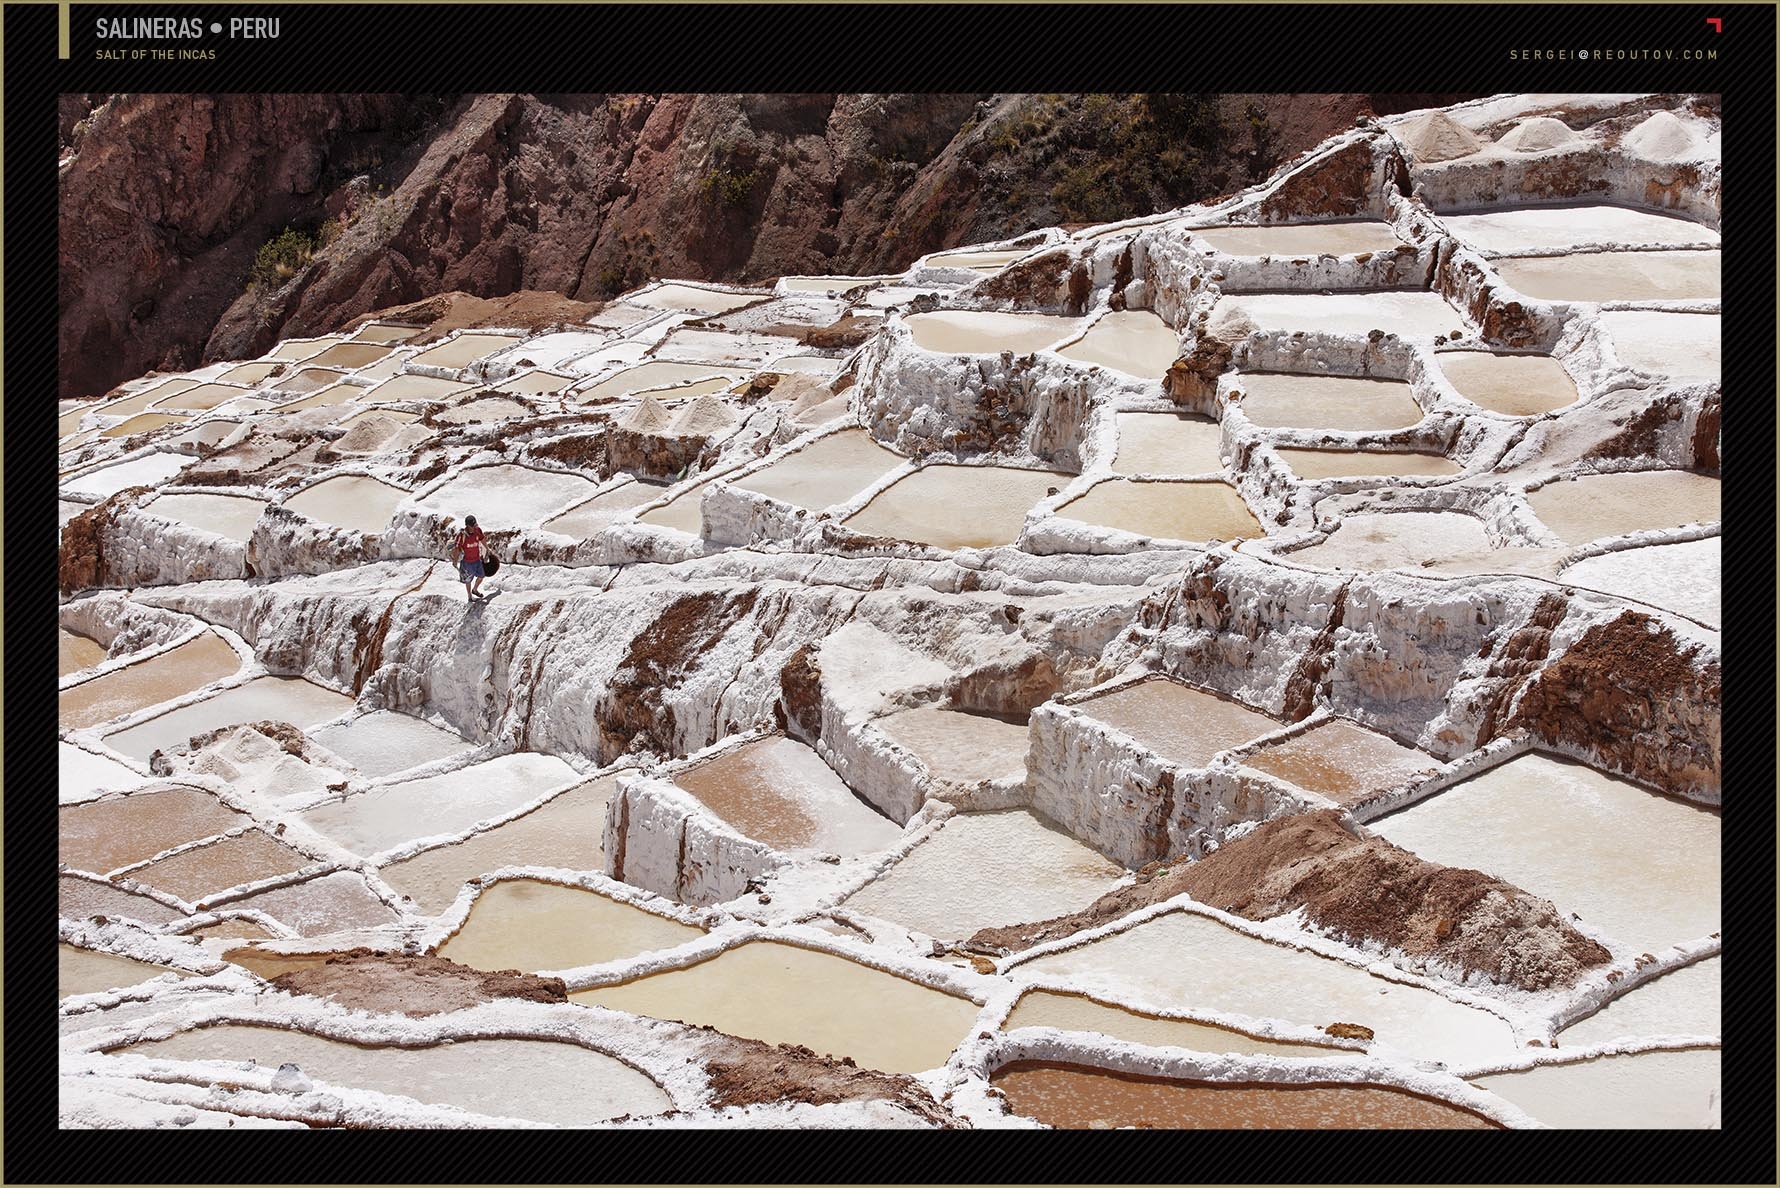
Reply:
x=686, y=391
x=231, y=516
x=1166, y=510
x=828, y=284
x=959, y=747
x=82, y=899
x=783, y=994
x=992, y=261
x=464, y=350
x=350, y=501
x=268, y=964
x=82, y=775
x=1615, y=276
x=348, y=355
x=778, y=791
x=1639, y=867
x=488, y=410
x=1335, y=464
x=592, y=517
x=1514, y=385
x=1596, y=505
x=151, y=470
x=106, y=835
x=1647, y=1091
x=188, y=667
x=566, y=833
x=1077, y=1097
x=1301, y=239
x=141, y=423
x=534, y=383
x=1168, y=443
x=336, y=394
x=1683, y=346
x=89, y=971
x=977, y=332
x=1276, y=400
x=75, y=652
x=1406, y=314
x=136, y=401
x=1688, y=1001
x=1683, y=577
x=409, y=386
x=1543, y=228
x=1075, y=1012
x=957, y=507
x=683, y=513
x=386, y=332
x=250, y=857
x=529, y=925
x=384, y=742
x=336, y=902
x=1344, y=762
x=373, y=821
x=295, y=349
x=538, y=1080
x=247, y=374
x=277, y=699
x=210, y=433
x=1180, y=724
x=201, y=398
x=507, y=495
x=646, y=377
x=986, y=869
x=1401, y=540
x=828, y=471
x=309, y=379
x=692, y=299
x=1183, y=962
x=1135, y=342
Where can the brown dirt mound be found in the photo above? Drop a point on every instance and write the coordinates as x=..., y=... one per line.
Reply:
x=81, y=564
x=457, y=310
x=390, y=983
x=748, y=1072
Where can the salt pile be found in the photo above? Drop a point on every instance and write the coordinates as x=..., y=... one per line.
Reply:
x=705, y=417
x=1437, y=137
x=1537, y=135
x=1662, y=137
x=647, y=417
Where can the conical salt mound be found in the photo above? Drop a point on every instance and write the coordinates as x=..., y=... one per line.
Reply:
x=647, y=417
x=1662, y=137
x=1437, y=137
x=1537, y=135
x=704, y=417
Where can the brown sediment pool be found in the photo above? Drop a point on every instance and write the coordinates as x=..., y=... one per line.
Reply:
x=82, y=899
x=268, y=964
x=464, y=350
x=977, y=332
x=1301, y=239
x=250, y=857
x=1166, y=510
x=1681, y=1090
x=567, y=833
x=1276, y=400
x=233, y=516
x=141, y=423
x=538, y=1080
x=783, y=994
x=267, y=698
x=954, y=507
x=1325, y=464
x=1077, y=1097
x=1615, y=276
x=1168, y=443
x=1135, y=342
x=201, y=398
x=88, y=971
x=1076, y=1012
x=959, y=747
x=1406, y=314
x=413, y=387
x=529, y=925
x=103, y=835
x=77, y=651
x=349, y=501
x=1344, y=762
x=828, y=471
x=330, y=903
x=1515, y=385
x=1684, y=346
x=191, y=665
x=1180, y=724
x=647, y=376
x=779, y=791
x=1596, y=505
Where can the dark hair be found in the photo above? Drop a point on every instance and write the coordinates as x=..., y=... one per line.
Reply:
x=469, y=521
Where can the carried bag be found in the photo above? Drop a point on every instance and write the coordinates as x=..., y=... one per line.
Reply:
x=491, y=564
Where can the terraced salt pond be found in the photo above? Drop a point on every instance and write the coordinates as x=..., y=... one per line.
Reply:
x=1545, y=228
x=1276, y=400
x=82, y=775
x=1183, y=725
x=957, y=747
x=1182, y=962
x=1598, y=505
x=976, y=332
x=1329, y=464
x=992, y=261
x=464, y=350
x=535, y=383
x=1344, y=762
x=1641, y=868
x=648, y=376
x=188, y=667
x=150, y=470
x=107, y=835
x=75, y=652
x=691, y=298
x=985, y=869
x=1168, y=443
x=1135, y=342
x=409, y=386
x=592, y=517
x=82, y=899
x=334, y=394
x=133, y=403
x=373, y=821
x=1415, y=540
x=89, y=971
x=683, y=513
x=1615, y=276
x=231, y=516
x=1301, y=239
x=1683, y=577
x=383, y=742
x=1688, y=1001
x=247, y=374
x=1649, y=1091
x=502, y=495
x=779, y=791
x=349, y=501
x=201, y=398
x=1165, y=510
x=484, y=412
x=529, y=925
x=388, y=332
x=781, y=993
x=1514, y=385
x=1684, y=346
x=331, y=903
x=348, y=356
x=537, y=1080
x=296, y=349
x=141, y=423
x=1074, y=1012
x=267, y=698
x=1077, y=1097
x=957, y=507
x=1406, y=314
x=566, y=833
x=250, y=857
x=828, y=471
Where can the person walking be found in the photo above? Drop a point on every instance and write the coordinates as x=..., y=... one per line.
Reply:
x=467, y=550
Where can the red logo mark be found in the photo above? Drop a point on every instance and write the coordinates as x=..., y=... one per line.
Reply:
x=1717, y=24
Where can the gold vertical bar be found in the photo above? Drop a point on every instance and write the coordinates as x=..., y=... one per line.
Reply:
x=62, y=37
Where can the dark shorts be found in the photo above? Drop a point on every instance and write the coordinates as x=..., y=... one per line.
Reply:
x=469, y=571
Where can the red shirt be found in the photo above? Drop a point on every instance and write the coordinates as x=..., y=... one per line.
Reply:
x=470, y=541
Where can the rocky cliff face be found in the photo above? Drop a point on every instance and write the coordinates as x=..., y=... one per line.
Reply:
x=166, y=199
